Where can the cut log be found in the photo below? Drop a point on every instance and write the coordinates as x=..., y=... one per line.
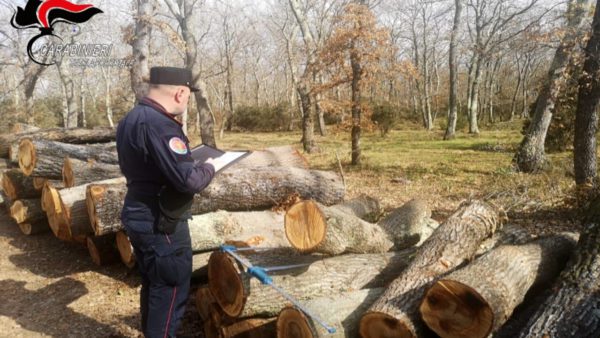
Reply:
x=341, y=312
x=233, y=190
x=509, y=234
x=34, y=228
x=251, y=328
x=18, y=186
x=77, y=172
x=75, y=136
x=333, y=230
x=204, y=302
x=410, y=224
x=49, y=167
x=364, y=207
x=125, y=249
x=282, y=156
x=573, y=309
x=479, y=298
x=103, y=249
x=27, y=211
x=395, y=313
x=241, y=296
x=31, y=151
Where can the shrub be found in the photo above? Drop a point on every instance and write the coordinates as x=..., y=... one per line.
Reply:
x=262, y=118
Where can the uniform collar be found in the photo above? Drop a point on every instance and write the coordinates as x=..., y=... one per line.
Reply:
x=146, y=101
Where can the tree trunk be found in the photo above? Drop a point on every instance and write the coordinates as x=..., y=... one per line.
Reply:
x=356, y=105
x=232, y=190
x=140, y=43
x=572, y=310
x=479, y=298
x=410, y=225
x=78, y=172
x=341, y=311
x=451, y=244
x=102, y=249
x=474, y=106
x=74, y=136
x=18, y=186
x=49, y=167
x=530, y=156
x=241, y=296
x=308, y=141
x=27, y=211
x=333, y=230
x=586, y=116
x=453, y=66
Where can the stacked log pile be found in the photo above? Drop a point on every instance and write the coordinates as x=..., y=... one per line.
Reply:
x=362, y=271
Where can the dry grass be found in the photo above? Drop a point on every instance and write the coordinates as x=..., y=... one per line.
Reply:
x=408, y=164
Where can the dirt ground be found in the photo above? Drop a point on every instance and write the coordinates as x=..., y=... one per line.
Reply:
x=52, y=289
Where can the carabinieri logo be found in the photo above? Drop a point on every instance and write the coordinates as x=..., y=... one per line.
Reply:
x=44, y=14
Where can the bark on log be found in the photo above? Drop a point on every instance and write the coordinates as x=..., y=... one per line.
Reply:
x=364, y=207
x=18, y=186
x=479, y=298
x=333, y=230
x=509, y=234
x=74, y=136
x=282, y=156
x=27, y=211
x=30, y=150
x=238, y=295
x=572, y=310
x=410, y=224
x=45, y=166
x=34, y=228
x=77, y=172
x=395, y=313
x=233, y=190
x=342, y=312
x=103, y=249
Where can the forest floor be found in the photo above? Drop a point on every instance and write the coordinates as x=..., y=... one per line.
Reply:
x=52, y=289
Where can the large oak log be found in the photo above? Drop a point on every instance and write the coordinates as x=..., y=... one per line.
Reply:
x=233, y=190
x=239, y=295
x=395, y=313
x=18, y=186
x=102, y=249
x=27, y=211
x=77, y=172
x=476, y=300
x=333, y=230
x=572, y=309
x=32, y=151
x=74, y=135
x=341, y=312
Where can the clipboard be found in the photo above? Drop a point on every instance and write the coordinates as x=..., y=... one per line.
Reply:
x=203, y=152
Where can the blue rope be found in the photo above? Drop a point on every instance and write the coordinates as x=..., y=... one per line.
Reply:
x=260, y=273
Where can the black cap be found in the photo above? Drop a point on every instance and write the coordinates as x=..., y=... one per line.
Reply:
x=172, y=76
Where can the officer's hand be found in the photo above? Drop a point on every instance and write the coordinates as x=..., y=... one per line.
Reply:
x=217, y=163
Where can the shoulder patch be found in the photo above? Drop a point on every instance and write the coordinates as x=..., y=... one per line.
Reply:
x=178, y=146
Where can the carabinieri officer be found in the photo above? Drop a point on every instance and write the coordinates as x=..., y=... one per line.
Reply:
x=161, y=178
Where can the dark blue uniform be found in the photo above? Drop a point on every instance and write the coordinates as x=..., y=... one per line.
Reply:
x=154, y=154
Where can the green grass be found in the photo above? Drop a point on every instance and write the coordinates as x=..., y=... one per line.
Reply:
x=407, y=164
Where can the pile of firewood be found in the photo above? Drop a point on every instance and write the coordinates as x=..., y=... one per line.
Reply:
x=361, y=271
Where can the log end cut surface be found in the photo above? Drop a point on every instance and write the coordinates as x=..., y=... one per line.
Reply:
x=225, y=284
x=93, y=194
x=291, y=323
x=27, y=159
x=125, y=249
x=9, y=188
x=380, y=325
x=18, y=211
x=455, y=310
x=305, y=225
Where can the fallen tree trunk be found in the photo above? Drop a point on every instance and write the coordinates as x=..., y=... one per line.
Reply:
x=410, y=224
x=103, y=249
x=341, y=312
x=333, y=230
x=30, y=150
x=77, y=172
x=232, y=190
x=18, y=186
x=239, y=295
x=479, y=298
x=452, y=243
x=27, y=211
x=572, y=310
x=74, y=136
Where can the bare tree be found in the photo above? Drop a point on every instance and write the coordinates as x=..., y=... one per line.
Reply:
x=452, y=65
x=530, y=156
x=140, y=43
